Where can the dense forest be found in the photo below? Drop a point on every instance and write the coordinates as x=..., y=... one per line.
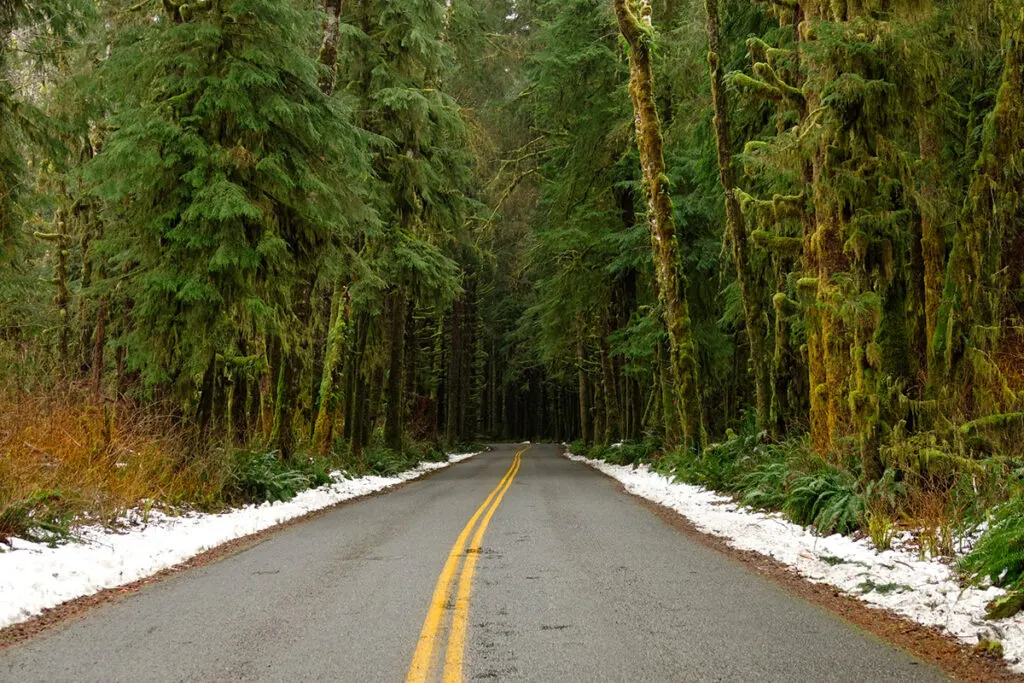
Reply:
x=775, y=246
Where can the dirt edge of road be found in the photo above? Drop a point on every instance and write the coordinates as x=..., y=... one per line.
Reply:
x=77, y=608
x=927, y=644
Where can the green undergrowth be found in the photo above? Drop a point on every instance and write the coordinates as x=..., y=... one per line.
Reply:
x=998, y=557
x=785, y=477
x=260, y=475
x=226, y=478
x=928, y=489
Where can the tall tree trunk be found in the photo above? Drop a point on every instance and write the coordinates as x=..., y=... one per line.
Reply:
x=410, y=370
x=99, y=342
x=613, y=423
x=454, y=379
x=337, y=327
x=376, y=394
x=973, y=312
x=323, y=310
x=581, y=373
x=62, y=299
x=329, y=46
x=396, y=380
x=933, y=249
x=669, y=415
x=204, y=412
x=639, y=33
x=756, y=320
x=239, y=408
x=283, y=433
x=600, y=412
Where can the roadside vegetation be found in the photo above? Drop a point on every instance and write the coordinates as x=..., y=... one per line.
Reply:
x=972, y=518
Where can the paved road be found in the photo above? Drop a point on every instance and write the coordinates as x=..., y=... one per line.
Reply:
x=574, y=581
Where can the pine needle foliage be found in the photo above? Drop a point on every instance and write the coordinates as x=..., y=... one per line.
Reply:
x=229, y=175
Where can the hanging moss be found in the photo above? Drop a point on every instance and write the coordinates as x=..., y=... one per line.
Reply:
x=782, y=246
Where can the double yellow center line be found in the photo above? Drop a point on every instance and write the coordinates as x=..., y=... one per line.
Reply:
x=423, y=658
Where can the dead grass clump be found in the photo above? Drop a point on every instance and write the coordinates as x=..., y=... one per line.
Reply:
x=64, y=459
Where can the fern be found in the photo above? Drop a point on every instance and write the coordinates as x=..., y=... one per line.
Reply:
x=998, y=557
x=263, y=476
x=828, y=500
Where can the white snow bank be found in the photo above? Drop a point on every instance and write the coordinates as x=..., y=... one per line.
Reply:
x=34, y=577
x=925, y=591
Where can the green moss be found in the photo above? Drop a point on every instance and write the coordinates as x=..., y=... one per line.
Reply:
x=782, y=246
x=784, y=306
x=989, y=648
x=1005, y=607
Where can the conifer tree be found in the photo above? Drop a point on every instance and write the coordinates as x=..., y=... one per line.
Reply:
x=230, y=178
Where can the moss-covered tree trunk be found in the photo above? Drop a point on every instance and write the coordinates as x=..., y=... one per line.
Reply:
x=637, y=29
x=663, y=385
x=933, y=249
x=98, y=345
x=283, y=433
x=600, y=411
x=755, y=318
x=975, y=305
x=825, y=288
x=337, y=328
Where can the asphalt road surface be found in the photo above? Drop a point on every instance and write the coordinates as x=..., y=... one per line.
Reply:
x=501, y=568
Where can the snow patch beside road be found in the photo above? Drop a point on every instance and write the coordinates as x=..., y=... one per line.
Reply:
x=925, y=591
x=34, y=577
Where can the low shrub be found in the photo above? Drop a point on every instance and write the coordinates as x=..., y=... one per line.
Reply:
x=260, y=476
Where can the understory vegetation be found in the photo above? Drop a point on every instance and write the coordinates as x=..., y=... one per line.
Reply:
x=940, y=516
x=777, y=248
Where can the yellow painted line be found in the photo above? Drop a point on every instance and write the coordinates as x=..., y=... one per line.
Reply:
x=460, y=617
x=421, y=659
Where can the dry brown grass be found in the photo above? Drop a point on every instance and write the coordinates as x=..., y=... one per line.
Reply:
x=101, y=459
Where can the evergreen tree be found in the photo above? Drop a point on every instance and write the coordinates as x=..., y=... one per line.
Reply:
x=231, y=181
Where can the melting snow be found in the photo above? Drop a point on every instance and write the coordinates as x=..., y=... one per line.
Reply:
x=34, y=577
x=925, y=591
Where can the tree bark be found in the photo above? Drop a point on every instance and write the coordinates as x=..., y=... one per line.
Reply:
x=584, y=392
x=974, y=307
x=204, y=412
x=396, y=383
x=933, y=251
x=329, y=46
x=613, y=423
